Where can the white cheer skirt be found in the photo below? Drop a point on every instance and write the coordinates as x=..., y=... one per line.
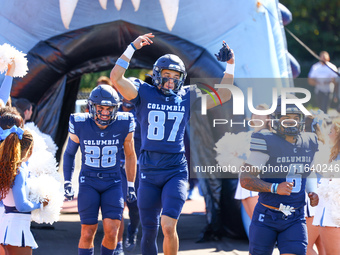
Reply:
x=242, y=193
x=15, y=230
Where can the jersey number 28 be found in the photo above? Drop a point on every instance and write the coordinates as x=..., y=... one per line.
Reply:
x=93, y=158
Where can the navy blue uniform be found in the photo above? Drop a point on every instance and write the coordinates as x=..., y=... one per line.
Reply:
x=163, y=166
x=287, y=163
x=99, y=178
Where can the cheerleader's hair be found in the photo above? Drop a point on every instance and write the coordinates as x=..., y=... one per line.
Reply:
x=335, y=150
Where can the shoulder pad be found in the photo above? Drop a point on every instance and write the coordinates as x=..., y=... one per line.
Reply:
x=258, y=142
x=79, y=117
x=123, y=115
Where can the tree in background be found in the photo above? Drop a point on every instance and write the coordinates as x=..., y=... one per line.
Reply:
x=317, y=24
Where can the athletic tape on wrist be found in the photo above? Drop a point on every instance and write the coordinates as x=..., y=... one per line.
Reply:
x=129, y=51
x=230, y=69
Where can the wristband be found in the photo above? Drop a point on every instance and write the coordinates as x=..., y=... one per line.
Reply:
x=129, y=51
x=272, y=187
x=133, y=46
x=122, y=63
x=131, y=184
x=230, y=69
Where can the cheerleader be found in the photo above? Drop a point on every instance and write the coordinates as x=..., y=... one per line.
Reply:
x=327, y=213
x=314, y=123
x=15, y=234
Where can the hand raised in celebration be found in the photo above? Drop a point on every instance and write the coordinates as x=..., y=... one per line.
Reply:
x=225, y=54
x=143, y=40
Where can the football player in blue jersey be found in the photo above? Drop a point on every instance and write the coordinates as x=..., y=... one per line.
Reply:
x=282, y=159
x=163, y=110
x=132, y=230
x=101, y=134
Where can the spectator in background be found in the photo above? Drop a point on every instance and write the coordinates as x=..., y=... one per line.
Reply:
x=322, y=76
x=24, y=106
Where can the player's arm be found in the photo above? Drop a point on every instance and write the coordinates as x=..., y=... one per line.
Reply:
x=68, y=164
x=130, y=158
x=130, y=166
x=123, y=85
x=225, y=55
x=249, y=176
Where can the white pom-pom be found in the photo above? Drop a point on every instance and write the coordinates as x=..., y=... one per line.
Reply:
x=46, y=187
x=42, y=141
x=233, y=149
x=44, y=180
x=7, y=54
x=329, y=190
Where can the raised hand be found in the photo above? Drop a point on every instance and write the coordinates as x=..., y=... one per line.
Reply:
x=225, y=54
x=143, y=40
x=11, y=69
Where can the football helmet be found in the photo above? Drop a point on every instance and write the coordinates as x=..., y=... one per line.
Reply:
x=103, y=95
x=168, y=62
x=278, y=125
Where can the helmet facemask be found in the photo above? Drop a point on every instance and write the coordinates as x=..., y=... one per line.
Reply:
x=288, y=126
x=178, y=83
x=103, y=95
x=168, y=62
x=97, y=115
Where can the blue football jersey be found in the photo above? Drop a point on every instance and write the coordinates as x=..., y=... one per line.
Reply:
x=287, y=162
x=162, y=118
x=101, y=149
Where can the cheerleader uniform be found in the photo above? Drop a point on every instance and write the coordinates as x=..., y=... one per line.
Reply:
x=16, y=220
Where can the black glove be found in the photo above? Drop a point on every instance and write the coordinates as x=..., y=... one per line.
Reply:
x=224, y=54
x=131, y=195
x=68, y=190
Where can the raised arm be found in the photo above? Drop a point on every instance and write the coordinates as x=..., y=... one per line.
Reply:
x=225, y=55
x=6, y=86
x=123, y=85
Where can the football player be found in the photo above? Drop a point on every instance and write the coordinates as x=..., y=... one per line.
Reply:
x=282, y=159
x=132, y=230
x=101, y=134
x=163, y=109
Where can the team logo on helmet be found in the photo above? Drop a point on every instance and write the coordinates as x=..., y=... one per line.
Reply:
x=103, y=95
x=168, y=62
